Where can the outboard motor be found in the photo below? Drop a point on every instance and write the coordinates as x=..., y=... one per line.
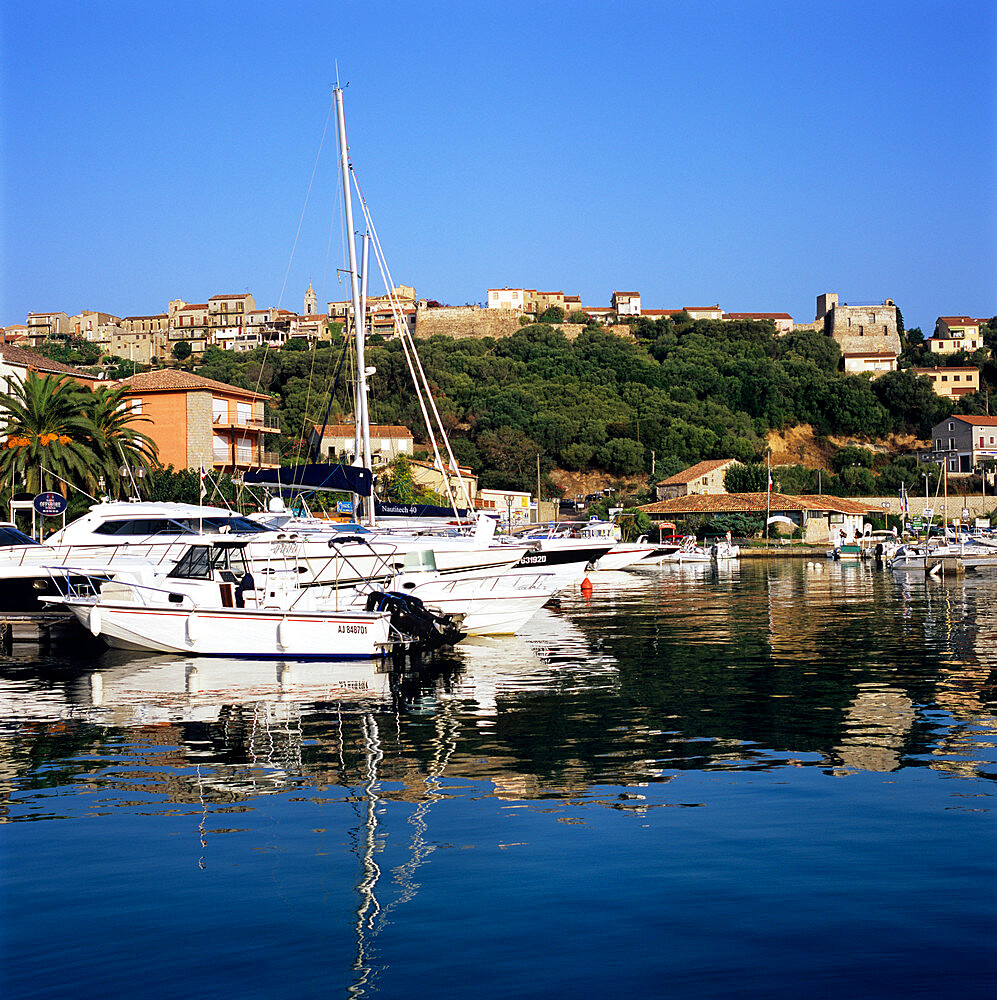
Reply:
x=425, y=628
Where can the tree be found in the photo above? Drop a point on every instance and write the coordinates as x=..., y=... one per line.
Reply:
x=116, y=441
x=851, y=456
x=181, y=350
x=48, y=431
x=621, y=456
x=553, y=314
x=746, y=478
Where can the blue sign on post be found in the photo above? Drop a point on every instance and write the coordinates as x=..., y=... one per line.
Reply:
x=344, y=506
x=50, y=504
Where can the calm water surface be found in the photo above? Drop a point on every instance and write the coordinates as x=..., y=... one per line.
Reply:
x=772, y=782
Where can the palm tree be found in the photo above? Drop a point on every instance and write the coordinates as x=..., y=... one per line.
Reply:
x=115, y=442
x=47, y=427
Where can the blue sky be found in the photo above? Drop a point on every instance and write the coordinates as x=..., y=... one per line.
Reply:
x=751, y=154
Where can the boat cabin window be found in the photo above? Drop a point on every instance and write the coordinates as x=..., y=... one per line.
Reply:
x=143, y=526
x=9, y=535
x=199, y=562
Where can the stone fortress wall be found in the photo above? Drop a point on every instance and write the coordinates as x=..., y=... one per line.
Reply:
x=474, y=322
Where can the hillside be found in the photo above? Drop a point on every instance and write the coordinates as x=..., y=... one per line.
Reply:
x=602, y=408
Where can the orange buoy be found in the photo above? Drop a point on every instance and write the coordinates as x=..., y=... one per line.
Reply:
x=586, y=586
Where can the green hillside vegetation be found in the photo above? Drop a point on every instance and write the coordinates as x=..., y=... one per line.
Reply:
x=685, y=390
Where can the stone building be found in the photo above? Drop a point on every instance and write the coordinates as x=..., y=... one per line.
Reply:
x=865, y=328
x=703, y=477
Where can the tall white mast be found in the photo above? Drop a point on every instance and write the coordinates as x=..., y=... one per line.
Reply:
x=358, y=316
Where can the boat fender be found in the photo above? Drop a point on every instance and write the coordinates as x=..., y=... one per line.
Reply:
x=95, y=622
x=193, y=628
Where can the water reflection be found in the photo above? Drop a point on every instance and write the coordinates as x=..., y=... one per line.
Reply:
x=757, y=666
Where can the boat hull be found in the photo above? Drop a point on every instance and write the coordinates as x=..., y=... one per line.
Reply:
x=238, y=632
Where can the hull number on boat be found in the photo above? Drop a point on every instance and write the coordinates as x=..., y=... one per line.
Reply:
x=354, y=629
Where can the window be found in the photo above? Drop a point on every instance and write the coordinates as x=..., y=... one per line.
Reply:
x=951, y=426
x=219, y=410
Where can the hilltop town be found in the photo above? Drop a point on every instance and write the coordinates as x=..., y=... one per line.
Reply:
x=193, y=373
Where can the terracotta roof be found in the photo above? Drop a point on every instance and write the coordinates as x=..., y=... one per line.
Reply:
x=696, y=471
x=869, y=354
x=32, y=359
x=176, y=380
x=631, y=295
x=754, y=503
x=240, y=295
x=376, y=430
x=958, y=320
x=757, y=316
x=976, y=421
x=464, y=469
x=194, y=305
x=946, y=369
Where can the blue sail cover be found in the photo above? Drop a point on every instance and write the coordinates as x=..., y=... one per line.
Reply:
x=315, y=476
x=388, y=509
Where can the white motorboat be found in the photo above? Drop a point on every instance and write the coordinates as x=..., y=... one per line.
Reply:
x=497, y=604
x=688, y=552
x=209, y=604
x=326, y=553
x=622, y=554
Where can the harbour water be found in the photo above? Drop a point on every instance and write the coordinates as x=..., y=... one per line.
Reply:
x=769, y=781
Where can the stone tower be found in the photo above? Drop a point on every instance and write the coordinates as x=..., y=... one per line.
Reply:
x=311, y=301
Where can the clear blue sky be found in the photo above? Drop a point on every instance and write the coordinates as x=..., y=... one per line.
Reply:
x=753, y=154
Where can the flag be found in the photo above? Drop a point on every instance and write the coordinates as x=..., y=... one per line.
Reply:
x=770, y=480
x=204, y=490
x=903, y=499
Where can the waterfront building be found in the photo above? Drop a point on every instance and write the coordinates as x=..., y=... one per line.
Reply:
x=198, y=423
x=960, y=443
x=703, y=477
x=429, y=476
x=951, y=383
x=511, y=506
x=816, y=516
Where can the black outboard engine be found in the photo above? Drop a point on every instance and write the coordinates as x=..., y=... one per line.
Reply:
x=425, y=628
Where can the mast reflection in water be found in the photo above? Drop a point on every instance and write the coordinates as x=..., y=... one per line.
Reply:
x=761, y=781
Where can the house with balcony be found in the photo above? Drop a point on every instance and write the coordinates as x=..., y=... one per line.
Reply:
x=956, y=333
x=951, y=383
x=45, y=326
x=197, y=422
x=961, y=443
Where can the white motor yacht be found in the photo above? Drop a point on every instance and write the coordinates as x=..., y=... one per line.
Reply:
x=210, y=603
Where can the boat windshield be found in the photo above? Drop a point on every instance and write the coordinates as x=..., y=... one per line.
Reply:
x=9, y=535
x=200, y=561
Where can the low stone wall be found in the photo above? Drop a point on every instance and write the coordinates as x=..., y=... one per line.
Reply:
x=978, y=506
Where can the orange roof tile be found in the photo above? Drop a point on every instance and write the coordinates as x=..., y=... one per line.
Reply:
x=696, y=471
x=177, y=380
x=754, y=503
x=376, y=430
